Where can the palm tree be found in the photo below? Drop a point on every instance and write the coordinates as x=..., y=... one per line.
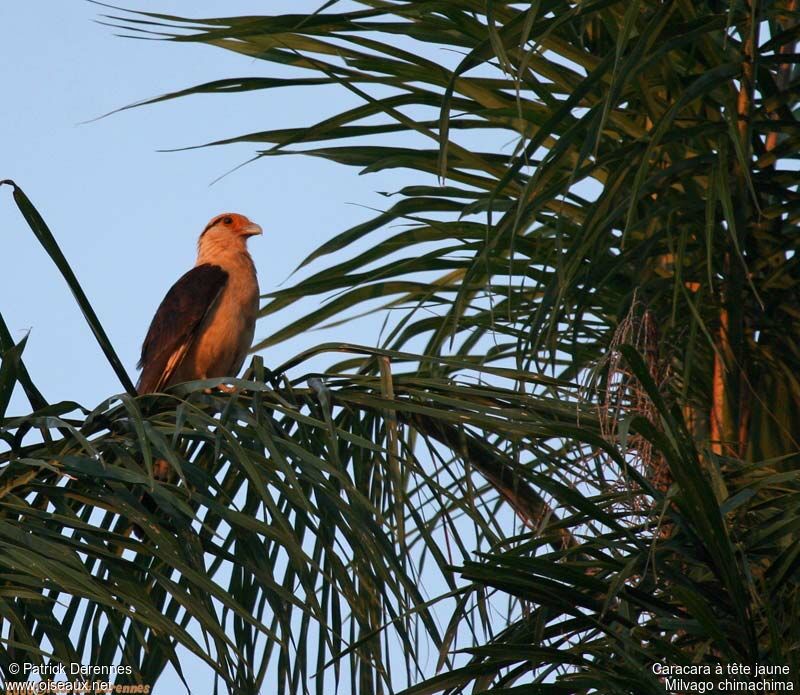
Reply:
x=593, y=324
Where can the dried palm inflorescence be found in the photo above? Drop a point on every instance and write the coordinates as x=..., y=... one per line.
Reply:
x=624, y=397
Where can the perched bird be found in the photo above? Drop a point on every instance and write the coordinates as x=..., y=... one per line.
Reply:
x=205, y=324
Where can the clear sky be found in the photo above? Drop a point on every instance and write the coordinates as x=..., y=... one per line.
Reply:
x=127, y=216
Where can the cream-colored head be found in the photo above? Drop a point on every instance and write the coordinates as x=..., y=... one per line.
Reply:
x=224, y=235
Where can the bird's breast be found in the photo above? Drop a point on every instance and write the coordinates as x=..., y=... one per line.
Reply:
x=227, y=333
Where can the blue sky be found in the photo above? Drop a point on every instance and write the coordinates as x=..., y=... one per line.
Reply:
x=126, y=216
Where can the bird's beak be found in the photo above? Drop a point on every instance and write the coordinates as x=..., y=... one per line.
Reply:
x=252, y=229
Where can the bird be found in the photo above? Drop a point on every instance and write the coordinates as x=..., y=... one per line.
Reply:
x=205, y=324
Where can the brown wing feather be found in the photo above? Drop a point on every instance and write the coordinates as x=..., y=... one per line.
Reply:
x=176, y=323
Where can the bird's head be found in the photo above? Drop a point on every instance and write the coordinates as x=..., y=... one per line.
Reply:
x=227, y=232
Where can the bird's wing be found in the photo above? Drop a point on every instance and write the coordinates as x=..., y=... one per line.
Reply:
x=176, y=324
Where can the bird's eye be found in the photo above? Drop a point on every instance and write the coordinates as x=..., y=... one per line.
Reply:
x=227, y=220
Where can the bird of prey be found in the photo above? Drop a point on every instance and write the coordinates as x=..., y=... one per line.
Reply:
x=205, y=324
